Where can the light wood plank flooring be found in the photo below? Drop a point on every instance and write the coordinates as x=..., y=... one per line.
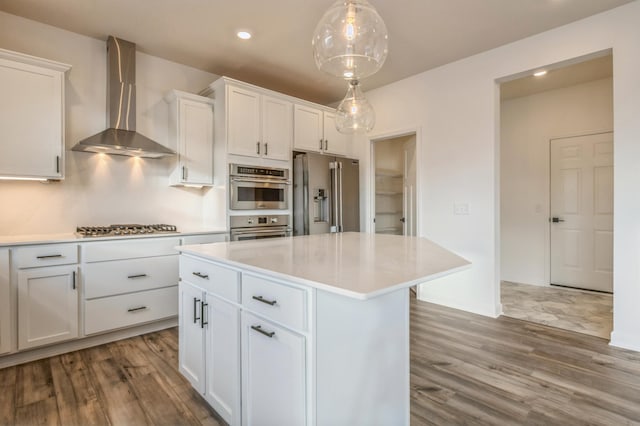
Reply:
x=582, y=311
x=465, y=369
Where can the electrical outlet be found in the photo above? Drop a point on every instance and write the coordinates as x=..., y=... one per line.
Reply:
x=461, y=209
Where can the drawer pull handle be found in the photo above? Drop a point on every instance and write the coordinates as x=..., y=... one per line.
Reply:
x=50, y=256
x=202, y=311
x=263, y=300
x=201, y=275
x=139, y=308
x=259, y=329
x=195, y=310
x=136, y=276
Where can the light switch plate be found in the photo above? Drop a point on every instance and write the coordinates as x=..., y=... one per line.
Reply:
x=461, y=209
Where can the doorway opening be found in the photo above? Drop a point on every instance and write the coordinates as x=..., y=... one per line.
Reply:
x=556, y=195
x=394, y=185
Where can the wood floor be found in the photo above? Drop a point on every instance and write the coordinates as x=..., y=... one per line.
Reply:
x=465, y=369
x=582, y=311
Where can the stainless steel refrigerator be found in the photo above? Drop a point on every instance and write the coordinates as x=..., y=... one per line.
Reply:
x=326, y=194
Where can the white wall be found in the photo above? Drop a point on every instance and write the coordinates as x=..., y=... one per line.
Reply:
x=527, y=125
x=456, y=110
x=98, y=189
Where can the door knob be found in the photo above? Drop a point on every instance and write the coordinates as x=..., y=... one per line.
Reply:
x=556, y=220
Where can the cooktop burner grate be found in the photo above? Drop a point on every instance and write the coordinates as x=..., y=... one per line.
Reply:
x=124, y=229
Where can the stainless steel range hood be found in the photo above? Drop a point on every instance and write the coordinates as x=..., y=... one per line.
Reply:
x=121, y=137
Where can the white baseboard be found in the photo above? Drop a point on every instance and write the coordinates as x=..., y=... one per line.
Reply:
x=623, y=341
x=83, y=343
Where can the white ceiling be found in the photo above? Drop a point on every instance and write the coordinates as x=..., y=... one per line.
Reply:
x=423, y=34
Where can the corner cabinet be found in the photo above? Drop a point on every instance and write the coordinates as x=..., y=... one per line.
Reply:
x=315, y=130
x=31, y=116
x=191, y=133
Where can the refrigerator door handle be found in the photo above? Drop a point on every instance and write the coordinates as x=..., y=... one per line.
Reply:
x=340, y=223
x=334, y=196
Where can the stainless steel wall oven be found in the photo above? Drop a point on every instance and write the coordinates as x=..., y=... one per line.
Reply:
x=253, y=188
x=259, y=227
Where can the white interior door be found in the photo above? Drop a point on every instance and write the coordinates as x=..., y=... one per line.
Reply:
x=582, y=212
x=409, y=190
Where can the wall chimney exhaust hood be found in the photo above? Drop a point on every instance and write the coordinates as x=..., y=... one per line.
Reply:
x=121, y=137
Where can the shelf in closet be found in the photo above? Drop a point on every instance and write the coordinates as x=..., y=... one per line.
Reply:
x=388, y=173
x=388, y=193
x=389, y=213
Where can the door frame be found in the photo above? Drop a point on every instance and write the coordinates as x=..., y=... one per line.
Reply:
x=370, y=215
x=547, y=257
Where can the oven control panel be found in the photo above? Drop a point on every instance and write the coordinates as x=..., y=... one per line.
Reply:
x=258, y=221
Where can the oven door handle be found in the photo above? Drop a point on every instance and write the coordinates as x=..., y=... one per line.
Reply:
x=265, y=231
x=258, y=180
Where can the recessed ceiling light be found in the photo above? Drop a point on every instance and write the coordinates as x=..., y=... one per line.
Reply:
x=539, y=73
x=244, y=35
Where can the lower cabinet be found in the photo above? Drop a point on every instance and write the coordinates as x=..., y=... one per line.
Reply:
x=47, y=305
x=273, y=374
x=209, y=355
x=5, y=303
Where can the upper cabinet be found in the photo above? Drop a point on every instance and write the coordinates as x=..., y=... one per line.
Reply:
x=258, y=125
x=315, y=130
x=31, y=116
x=191, y=132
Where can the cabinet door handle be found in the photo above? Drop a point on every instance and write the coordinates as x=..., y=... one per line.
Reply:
x=263, y=300
x=202, y=321
x=259, y=329
x=195, y=310
x=57, y=164
x=185, y=172
x=201, y=275
x=320, y=143
x=326, y=144
x=139, y=308
x=49, y=256
x=266, y=149
x=73, y=280
x=136, y=276
x=258, y=148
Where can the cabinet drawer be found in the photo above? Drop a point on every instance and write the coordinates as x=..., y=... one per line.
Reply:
x=204, y=239
x=45, y=255
x=223, y=282
x=129, y=249
x=279, y=302
x=130, y=309
x=128, y=276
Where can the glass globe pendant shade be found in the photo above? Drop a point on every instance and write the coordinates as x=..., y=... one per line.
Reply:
x=355, y=114
x=351, y=40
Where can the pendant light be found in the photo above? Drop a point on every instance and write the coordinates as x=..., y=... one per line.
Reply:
x=355, y=114
x=351, y=40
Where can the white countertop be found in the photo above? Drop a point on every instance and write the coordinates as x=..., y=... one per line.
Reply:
x=17, y=240
x=352, y=264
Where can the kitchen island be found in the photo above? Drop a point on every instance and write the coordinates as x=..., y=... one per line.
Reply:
x=304, y=330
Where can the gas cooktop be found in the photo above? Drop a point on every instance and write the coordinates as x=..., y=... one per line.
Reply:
x=123, y=230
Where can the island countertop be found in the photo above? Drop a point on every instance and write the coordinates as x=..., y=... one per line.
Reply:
x=353, y=264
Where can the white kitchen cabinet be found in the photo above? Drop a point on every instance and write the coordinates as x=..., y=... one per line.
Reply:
x=31, y=116
x=315, y=130
x=191, y=335
x=273, y=374
x=209, y=336
x=47, y=305
x=191, y=132
x=258, y=125
x=5, y=303
x=129, y=282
